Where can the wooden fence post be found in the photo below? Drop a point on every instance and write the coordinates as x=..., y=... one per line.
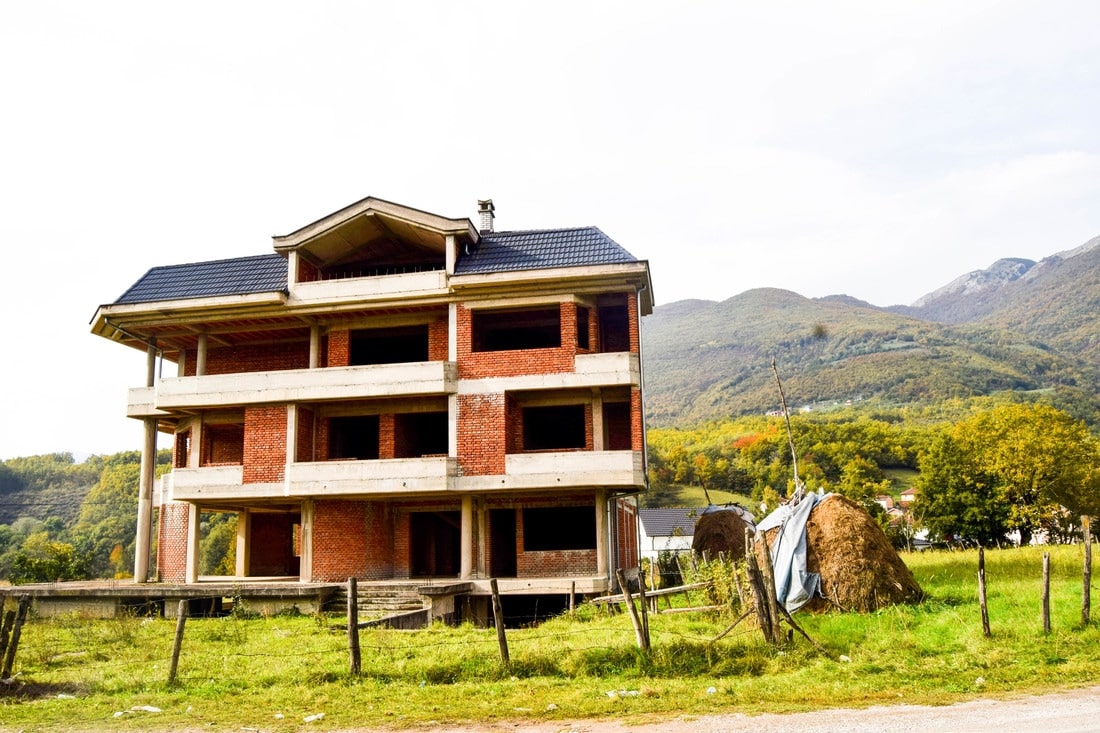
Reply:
x=353, y=627
x=643, y=602
x=1046, y=592
x=5, y=629
x=177, y=644
x=1086, y=591
x=498, y=620
x=981, y=593
x=639, y=633
x=17, y=629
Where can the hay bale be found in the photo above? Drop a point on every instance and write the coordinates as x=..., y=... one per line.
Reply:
x=859, y=568
x=721, y=531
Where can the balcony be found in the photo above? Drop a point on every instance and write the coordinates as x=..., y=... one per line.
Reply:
x=394, y=476
x=622, y=469
x=617, y=369
x=405, y=286
x=293, y=385
x=397, y=476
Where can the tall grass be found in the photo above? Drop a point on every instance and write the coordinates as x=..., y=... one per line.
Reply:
x=245, y=673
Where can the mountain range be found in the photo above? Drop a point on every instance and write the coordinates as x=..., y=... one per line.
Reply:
x=1019, y=325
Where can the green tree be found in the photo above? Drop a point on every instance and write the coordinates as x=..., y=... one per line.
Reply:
x=108, y=520
x=42, y=560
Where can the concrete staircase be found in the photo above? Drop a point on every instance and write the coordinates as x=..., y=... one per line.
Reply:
x=379, y=600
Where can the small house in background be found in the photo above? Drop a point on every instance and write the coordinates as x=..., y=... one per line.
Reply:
x=667, y=530
x=907, y=497
x=392, y=395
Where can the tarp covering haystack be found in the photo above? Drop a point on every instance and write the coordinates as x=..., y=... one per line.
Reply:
x=857, y=568
x=720, y=531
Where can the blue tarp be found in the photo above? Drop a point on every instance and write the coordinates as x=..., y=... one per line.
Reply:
x=794, y=587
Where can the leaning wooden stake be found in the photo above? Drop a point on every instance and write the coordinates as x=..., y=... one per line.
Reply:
x=981, y=593
x=639, y=633
x=355, y=659
x=1046, y=592
x=5, y=629
x=1086, y=591
x=643, y=602
x=768, y=576
x=759, y=600
x=498, y=619
x=177, y=643
x=13, y=644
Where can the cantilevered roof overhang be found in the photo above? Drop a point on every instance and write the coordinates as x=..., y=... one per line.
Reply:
x=373, y=222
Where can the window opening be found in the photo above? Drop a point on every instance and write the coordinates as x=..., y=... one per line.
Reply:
x=354, y=438
x=614, y=323
x=418, y=434
x=389, y=345
x=516, y=329
x=582, y=327
x=616, y=422
x=559, y=528
x=555, y=427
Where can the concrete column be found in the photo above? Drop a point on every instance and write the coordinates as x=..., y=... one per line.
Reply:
x=291, y=444
x=466, y=565
x=291, y=270
x=482, y=539
x=150, y=365
x=602, y=526
x=191, y=575
x=194, y=458
x=244, y=548
x=305, y=545
x=181, y=363
x=452, y=254
x=452, y=332
x=314, y=347
x=597, y=420
x=144, y=538
x=200, y=357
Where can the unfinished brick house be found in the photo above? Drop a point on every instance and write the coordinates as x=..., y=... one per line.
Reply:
x=393, y=394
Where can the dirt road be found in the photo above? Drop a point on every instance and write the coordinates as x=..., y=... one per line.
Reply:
x=1074, y=711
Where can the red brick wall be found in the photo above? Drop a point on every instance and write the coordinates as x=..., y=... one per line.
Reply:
x=481, y=424
x=517, y=362
x=553, y=563
x=172, y=542
x=353, y=538
x=306, y=431
x=338, y=349
x=402, y=555
x=437, y=340
x=386, y=436
x=637, y=416
x=255, y=358
x=264, y=443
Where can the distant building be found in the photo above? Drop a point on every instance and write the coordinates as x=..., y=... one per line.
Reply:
x=667, y=530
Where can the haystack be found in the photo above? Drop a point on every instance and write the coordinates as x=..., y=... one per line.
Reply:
x=720, y=532
x=859, y=568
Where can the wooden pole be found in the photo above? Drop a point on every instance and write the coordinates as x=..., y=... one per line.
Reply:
x=572, y=597
x=760, y=604
x=639, y=633
x=981, y=593
x=177, y=644
x=5, y=630
x=1086, y=591
x=355, y=662
x=1046, y=592
x=643, y=602
x=768, y=576
x=498, y=620
x=17, y=629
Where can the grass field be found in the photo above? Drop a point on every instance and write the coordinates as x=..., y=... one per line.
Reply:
x=272, y=673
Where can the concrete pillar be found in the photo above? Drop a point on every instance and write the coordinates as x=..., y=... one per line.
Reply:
x=291, y=270
x=305, y=568
x=144, y=538
x=452, y=254
x=314, y=346
x=200, y=357
x=194, y=458
x=291, y=444
x=466, y=552
x=602, y=535
x=194, y=515
x=244, y=547
x=482, y=568
x=597, y=420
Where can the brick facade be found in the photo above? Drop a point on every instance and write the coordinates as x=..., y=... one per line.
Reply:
x=264, y=444
x=172, y=542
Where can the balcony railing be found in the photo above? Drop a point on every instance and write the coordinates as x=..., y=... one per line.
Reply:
x=294, y=385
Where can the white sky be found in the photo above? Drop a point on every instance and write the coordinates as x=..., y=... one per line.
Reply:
x=877, y=149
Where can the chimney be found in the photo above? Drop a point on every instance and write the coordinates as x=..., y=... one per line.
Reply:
x=485, y=211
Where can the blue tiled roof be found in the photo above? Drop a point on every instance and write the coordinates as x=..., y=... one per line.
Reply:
x=542, y=249
x=237, y=276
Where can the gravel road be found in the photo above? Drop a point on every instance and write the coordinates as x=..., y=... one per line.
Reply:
x=1072, y=711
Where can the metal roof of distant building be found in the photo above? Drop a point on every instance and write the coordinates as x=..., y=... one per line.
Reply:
x=237, y=276
x=665, y=522
x=542, y=249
